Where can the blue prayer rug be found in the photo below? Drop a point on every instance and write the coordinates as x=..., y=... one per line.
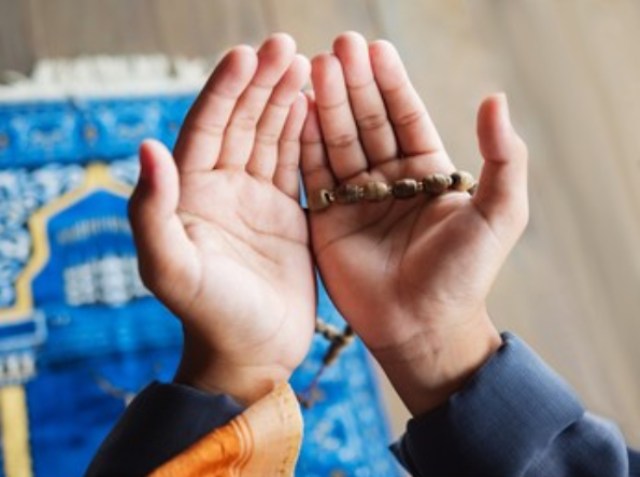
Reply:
x=79, y=333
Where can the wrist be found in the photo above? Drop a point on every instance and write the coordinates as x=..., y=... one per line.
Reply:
x=435, y=363
x=245, y=386
x=203, y=369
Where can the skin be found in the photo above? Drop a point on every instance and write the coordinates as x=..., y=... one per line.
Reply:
x=221, y=238
x=411, y=276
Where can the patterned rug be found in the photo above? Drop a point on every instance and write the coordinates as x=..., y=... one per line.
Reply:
x=79, y=333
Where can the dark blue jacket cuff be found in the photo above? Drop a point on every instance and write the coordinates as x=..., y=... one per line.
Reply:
x=515, y=417
x=162, y=421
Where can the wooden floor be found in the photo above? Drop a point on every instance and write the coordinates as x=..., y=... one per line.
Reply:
x=572, y=72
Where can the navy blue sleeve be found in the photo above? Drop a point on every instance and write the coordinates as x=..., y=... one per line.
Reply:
x=162, y=421
x=515, y=417
x=634, y=463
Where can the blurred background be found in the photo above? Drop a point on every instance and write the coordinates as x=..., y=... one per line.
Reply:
x=571, y=69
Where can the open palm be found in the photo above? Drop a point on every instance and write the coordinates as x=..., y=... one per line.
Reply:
x=402, y=269
x=222, y=240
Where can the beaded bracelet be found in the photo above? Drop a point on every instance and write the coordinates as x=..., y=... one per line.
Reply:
x=377, y=191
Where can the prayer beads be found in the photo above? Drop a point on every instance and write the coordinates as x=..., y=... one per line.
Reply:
x=377, y=191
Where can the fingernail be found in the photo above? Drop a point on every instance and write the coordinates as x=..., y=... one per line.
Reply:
x=504, y=108
x=144, y=159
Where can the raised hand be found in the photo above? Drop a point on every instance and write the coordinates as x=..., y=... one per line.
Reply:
x=410, y=276
x=221, y=238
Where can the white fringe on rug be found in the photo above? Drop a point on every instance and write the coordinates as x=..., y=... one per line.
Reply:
x=99, y=76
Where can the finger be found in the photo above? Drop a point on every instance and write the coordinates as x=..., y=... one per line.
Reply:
x=264, y=156
x=274, y=58
x=376, y=132
x=314, y=163
x=339, y=130
x=502, y=190
x=414, y=129
x=154, y=222
x=200, y=139
x=287, y=177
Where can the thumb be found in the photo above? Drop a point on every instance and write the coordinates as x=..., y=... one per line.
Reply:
x=502, y=189
x=157, y=230
x=155, y=197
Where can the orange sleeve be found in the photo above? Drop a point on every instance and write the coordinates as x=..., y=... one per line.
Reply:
x=263, y=441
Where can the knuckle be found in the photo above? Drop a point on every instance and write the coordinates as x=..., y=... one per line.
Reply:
x=285, y=141
x=311, y=142
x=287, y=167
x=330, y=107
x=246, y=121
x=208, y=129
x=342, y=141
x=215, y=92
x=518, y=216
x=410, y=118
x=372, y=122
x=267, y=138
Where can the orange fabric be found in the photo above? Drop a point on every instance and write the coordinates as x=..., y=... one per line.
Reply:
x=263, y=441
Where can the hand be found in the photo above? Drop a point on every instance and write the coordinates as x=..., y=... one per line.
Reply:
x=410, y=276
x=221, y=238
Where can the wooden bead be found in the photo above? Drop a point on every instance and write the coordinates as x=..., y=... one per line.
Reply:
x=319, y=200
x=348, y=193
x=462, y=181
x=376, y=191
x=338, y=343
x=436, y=184
x=327, y=330
x=405, y=188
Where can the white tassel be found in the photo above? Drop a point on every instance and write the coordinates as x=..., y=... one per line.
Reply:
x=100, y=76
